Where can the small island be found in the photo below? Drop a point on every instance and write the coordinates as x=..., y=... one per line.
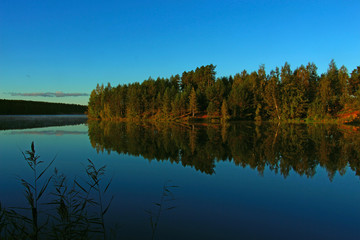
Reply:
x=283, y=95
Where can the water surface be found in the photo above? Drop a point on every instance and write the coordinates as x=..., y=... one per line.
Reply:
x=235, y=181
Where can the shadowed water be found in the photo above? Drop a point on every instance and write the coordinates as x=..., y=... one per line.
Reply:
x=234, y=181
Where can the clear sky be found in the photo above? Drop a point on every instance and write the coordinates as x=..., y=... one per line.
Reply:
x=58, y=50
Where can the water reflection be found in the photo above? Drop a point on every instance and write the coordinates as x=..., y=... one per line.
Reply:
x=280, y=147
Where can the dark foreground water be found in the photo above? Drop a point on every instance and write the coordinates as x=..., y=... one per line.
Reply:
x=239, y=181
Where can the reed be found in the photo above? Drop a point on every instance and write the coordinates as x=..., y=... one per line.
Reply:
x=69, y=216
x=73, y=209
x=165, y=204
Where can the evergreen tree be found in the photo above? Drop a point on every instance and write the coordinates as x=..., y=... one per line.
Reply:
x=193, y=102
x=311, y=68
x=272, y=96
x=95, y=104
x=176, y=105
x=344, y=96
x=354, y=81
x=224, y=111
x=212, y=110
x=241, y=97
x=293, y=99
x=281, y=95
x=166, y=107
x=329, y=91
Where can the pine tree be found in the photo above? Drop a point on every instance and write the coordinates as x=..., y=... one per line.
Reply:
x=224, y=111
x=212, y=110
x=193, y=102
x=166, y=107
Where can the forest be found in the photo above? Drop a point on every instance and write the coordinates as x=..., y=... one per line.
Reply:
x=282, y=94
x=17, y=107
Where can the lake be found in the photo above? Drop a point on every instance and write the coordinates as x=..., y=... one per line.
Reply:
x=235, y=181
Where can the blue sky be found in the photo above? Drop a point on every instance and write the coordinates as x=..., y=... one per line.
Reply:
x=58, y=50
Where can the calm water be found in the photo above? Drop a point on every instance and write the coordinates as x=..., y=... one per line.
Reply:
x=239, y=181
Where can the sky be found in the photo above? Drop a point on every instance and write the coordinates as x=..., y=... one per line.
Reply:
x=59, y=50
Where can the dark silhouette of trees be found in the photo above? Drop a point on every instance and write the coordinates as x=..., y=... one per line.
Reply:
x=17, y=107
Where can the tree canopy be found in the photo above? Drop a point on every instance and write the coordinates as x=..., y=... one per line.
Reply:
x=282, y=94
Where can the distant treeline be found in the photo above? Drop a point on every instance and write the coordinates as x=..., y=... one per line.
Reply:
x=16, y=107
x=282, y=94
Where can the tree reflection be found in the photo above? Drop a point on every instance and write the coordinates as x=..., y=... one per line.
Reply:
x=282, y=148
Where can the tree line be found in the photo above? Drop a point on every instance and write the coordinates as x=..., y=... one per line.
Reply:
x=16, y=107
x=282, y=94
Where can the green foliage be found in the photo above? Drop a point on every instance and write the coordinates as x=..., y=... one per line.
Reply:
x=224, y=111
x=193, y=106
x=212, y=110
x=214, y=94
x=354, y=81
x=166, y=107
x=271, y=97
x=241, y=97
x=282, y=95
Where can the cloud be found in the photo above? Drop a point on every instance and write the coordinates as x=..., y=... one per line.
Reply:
x=49, y=94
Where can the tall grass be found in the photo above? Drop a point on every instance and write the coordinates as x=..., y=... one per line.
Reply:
x=69, y=216
x=72, y=209
x=165, y=204
x=32, y=192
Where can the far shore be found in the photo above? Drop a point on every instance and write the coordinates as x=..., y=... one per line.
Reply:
x=8, y=122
